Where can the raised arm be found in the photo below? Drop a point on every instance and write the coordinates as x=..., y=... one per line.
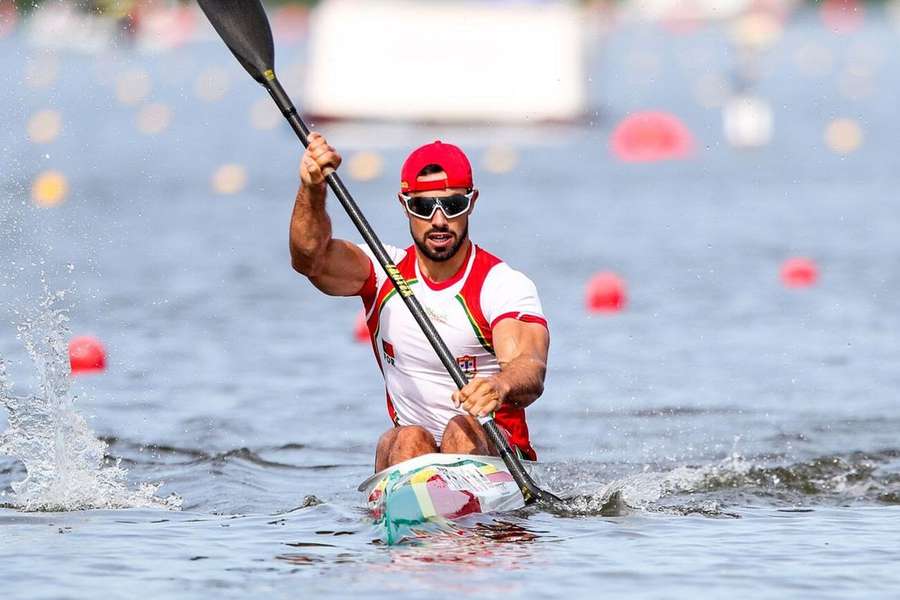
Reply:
x=336, y=267
x=522, y=349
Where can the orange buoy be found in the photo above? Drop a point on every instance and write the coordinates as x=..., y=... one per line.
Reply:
x=606, y=293
x=651, y=136
x=799, y=272
x=86, y=355
x=361, y=329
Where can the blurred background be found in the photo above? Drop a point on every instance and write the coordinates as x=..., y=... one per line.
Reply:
x=704, y=192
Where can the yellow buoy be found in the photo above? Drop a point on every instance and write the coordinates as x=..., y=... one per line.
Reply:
x=756, y=29
x=500, y=159
x=49, y=189
x=843, y=136
x=365, y=166
x=229, y=179
x=154, y=118
x=44, y=126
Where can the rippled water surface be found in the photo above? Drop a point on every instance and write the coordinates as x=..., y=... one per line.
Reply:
x=751, y=429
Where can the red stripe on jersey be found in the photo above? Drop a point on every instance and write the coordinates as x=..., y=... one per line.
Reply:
x=392, y=413
x=524, y=317
x=443, y=285
x=407, y=268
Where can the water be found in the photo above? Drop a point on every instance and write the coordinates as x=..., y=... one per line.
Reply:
x=750, y=428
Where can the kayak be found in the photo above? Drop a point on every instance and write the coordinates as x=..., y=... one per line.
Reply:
x=439, y=487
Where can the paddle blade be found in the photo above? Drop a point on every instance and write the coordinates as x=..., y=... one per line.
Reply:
x=244, y=27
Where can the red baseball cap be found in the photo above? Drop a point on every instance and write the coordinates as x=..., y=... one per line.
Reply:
x=449, y=157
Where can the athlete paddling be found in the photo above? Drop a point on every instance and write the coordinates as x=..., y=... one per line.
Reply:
x=488, y=314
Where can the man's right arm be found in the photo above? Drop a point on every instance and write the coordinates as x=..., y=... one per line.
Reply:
x=336, y=267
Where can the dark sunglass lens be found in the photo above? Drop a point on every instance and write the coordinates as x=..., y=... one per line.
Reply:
x=421, y=206
x=455, y=205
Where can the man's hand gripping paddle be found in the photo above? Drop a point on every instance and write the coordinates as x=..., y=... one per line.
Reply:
x=244, y=27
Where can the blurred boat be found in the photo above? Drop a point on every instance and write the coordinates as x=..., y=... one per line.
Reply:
x=699, y=10
x=447, y=61
x=59, y=26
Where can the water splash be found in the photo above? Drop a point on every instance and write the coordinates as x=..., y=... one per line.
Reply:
x=861, y=477
x=66, y=464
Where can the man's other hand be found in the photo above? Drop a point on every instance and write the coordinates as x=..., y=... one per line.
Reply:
x=480, y=397
x=318, y=161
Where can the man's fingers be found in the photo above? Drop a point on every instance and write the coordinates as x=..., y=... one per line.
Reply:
x=327, y=159
x=313, y=171
x=481, y=407
x=320, y=150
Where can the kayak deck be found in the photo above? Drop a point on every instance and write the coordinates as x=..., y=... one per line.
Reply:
x=439, y=487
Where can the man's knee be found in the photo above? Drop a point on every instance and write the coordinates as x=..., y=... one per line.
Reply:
x=402, y=443
x=414, y=434
x=461, y=424
x=463, y=435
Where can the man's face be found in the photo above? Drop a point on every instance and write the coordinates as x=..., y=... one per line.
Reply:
x=439, y=238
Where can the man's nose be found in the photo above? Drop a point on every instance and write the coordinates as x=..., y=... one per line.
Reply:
x=439, y=219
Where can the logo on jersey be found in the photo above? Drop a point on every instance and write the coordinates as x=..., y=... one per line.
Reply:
x=468, y=364
x=388, y=352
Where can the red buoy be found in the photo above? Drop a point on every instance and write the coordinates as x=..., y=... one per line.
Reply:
x=8, y=17
x=360, y=329
x=651, y=136
x=799, y=272
x=605, y=293
x=842, y=16
x=86, y=355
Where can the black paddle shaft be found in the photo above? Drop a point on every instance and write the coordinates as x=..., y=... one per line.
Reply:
x=245, y=29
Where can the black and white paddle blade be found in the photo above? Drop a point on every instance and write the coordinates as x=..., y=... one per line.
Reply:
x=244, y=27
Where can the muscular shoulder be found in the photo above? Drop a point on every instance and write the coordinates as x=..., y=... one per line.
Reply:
x=508, y=292
x=377, y=277
x=396, y=254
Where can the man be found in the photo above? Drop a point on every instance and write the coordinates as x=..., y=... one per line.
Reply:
x=488, y=314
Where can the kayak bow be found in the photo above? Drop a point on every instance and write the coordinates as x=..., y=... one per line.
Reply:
x=437, y=488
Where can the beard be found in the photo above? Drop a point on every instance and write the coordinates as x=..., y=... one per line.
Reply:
x=443, y=254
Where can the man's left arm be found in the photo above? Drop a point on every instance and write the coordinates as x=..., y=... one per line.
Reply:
x=521, y=349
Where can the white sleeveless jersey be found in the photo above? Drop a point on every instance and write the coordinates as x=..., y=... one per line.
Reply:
x=464, y=310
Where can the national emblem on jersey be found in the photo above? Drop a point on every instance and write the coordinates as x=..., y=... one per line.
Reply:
x=468, y=364
x=388, y=348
